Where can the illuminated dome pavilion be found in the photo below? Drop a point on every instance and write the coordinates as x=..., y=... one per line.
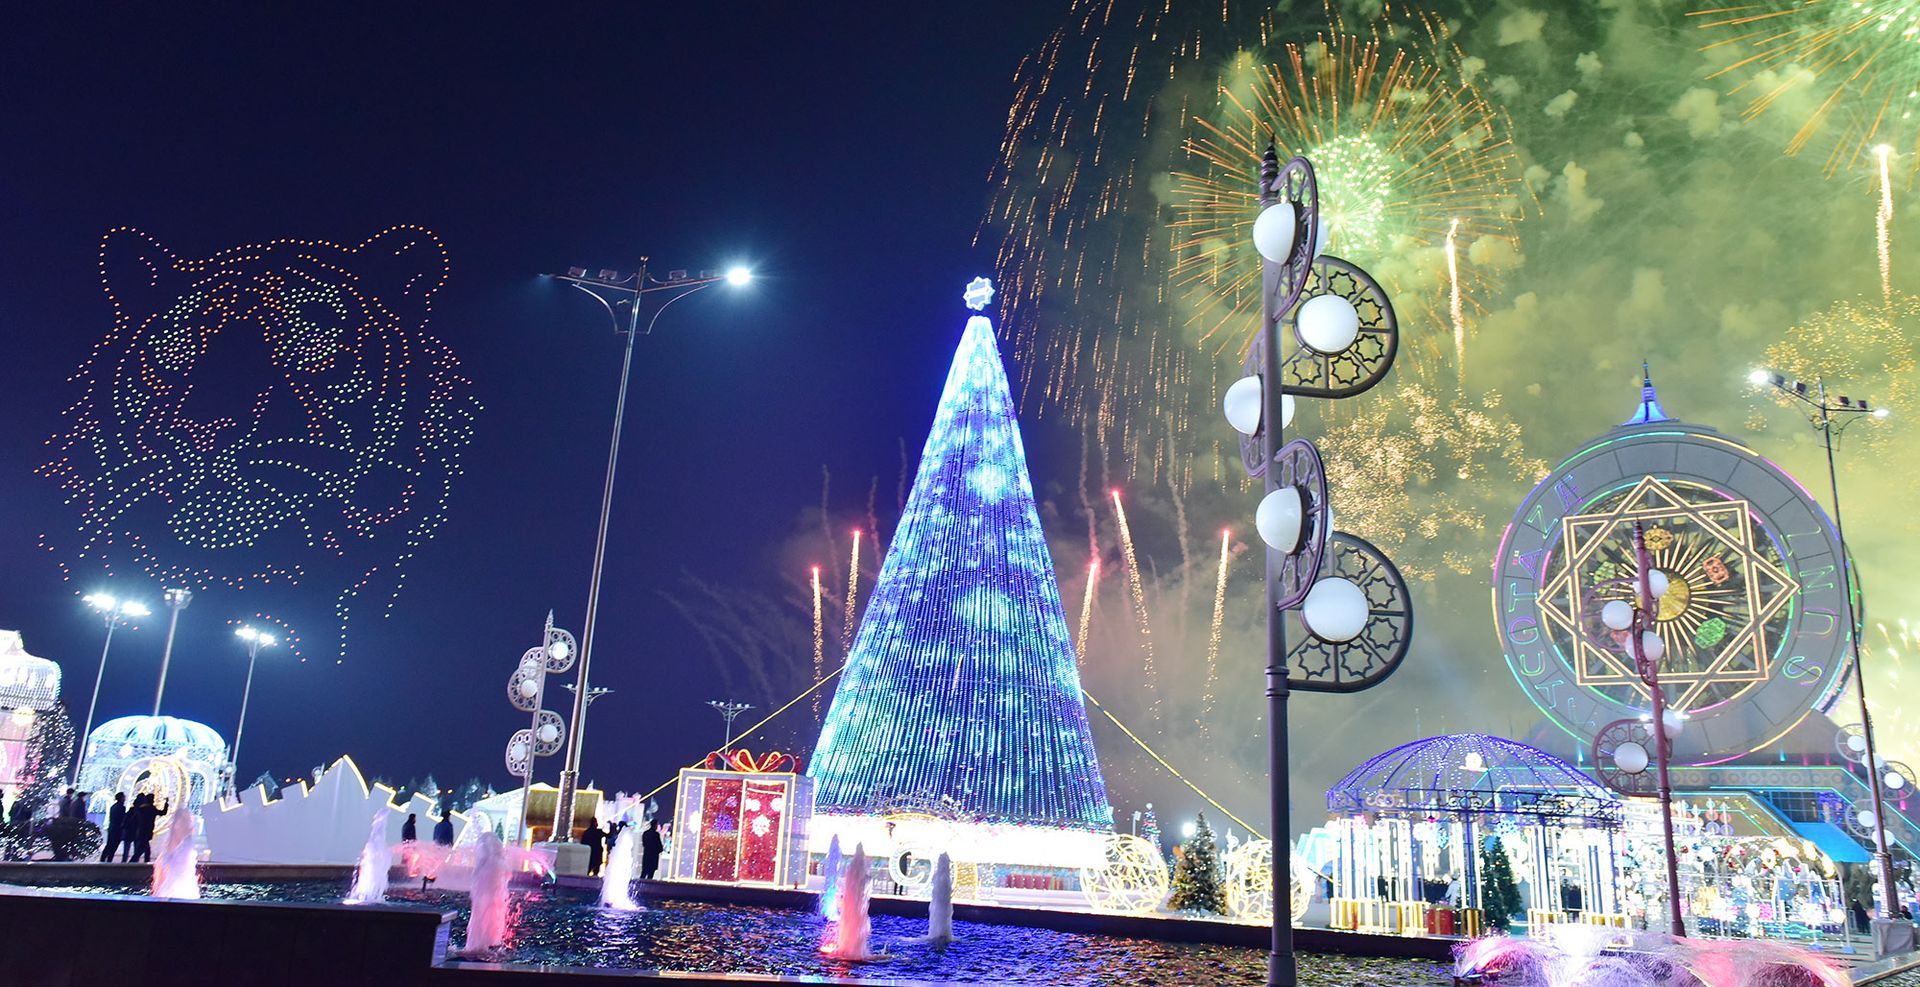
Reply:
x=179, y=759
x=958, y=724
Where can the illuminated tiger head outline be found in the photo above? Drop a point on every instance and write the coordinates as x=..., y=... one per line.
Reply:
x=272, y=416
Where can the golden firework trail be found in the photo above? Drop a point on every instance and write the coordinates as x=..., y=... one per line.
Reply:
x=1086, y=610
x=1453, y=297
x=819, y=640
x=1139, y=603
x=853, y=594
x=1213, y=635
x=1883, y=220
x=1850, y=67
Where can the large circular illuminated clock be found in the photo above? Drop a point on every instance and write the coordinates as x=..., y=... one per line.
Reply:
x=1754, y=616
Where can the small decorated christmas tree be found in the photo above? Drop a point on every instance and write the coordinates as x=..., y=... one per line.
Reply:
x=1198, y=882
x=1499, y=895
x=1150, y=830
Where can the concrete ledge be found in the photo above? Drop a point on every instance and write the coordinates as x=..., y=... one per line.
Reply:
x=55, y=938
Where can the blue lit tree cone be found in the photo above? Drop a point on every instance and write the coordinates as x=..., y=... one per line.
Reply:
x=965, y=629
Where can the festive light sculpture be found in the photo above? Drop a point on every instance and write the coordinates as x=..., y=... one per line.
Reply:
x=962, y=681
x=1130, y=880
x=125, y=754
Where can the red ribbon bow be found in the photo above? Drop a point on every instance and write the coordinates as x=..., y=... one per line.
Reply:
x=743, y=760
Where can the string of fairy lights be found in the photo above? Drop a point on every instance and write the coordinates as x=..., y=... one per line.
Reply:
x=275, y=414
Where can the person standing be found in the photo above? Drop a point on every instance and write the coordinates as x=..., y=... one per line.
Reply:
x=140, y=824
x=650, y=850
x=409, y=831
x=596, y=840
x=116, y=826
x=66, y=805
x=443, y=830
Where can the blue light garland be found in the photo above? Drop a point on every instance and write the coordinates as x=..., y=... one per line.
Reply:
x=962, y=682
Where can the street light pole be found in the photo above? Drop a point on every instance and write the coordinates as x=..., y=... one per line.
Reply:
x=114, y=613
x=728, y=711
x=1821, y=415
x=176, y=601
x=1645, y=614
x=255, y=641
x=609, y=284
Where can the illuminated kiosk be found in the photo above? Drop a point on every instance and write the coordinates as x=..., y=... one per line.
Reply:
x=957, y=724
x=178, y=760
x=29, y=701
x=739, y=819
x=1753, y=622
x=1408, y=824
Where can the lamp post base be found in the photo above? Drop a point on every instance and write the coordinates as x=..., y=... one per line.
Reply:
x=562, y=831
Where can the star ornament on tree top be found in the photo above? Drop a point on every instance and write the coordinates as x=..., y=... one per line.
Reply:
x=978, y=294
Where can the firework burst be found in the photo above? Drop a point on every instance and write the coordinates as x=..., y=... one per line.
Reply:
x=1846, y=73
x=1863, y=344
x=1411, y=162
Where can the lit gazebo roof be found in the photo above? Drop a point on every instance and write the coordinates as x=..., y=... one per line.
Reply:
x=26, y=682
x=1474, y=774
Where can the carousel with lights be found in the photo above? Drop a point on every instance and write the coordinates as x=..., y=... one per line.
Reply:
x=1417, y=831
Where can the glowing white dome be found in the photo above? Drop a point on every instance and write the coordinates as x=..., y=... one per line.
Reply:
x=127, y=752
x=25, y=680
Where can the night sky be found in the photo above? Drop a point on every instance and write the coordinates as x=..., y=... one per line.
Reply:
x=840, y=151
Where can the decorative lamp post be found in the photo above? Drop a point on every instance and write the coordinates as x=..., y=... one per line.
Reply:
x=613, y=291
x=255, y=640
x=176, y=601
x=113, y=612
x=1354, y=610
x=728, y=711
x=1832, y=417
x=526, y=689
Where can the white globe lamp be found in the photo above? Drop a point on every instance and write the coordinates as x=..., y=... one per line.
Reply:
x=1657, y=583
x=1279, y=517
x=1617, y=615
x=1335, y=610
x=1675, y=722
x=1654, y=648
x=549, y=733
x=1630, y=757
x=529, y=688
x=1242, y=405
x=1274, y=231
x=1328, y=324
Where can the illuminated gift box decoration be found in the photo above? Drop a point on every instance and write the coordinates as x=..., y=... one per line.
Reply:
x=741, y=819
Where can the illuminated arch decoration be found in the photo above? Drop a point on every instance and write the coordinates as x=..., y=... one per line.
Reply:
x=962, y=682
x=174, y=758
x=1130, y=879
x=1754, y=617
x=272, y=415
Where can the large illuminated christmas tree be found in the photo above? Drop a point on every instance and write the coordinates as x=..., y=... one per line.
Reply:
x=962, y=692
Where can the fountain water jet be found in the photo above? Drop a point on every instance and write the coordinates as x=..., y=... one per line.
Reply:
x=616, y=884
x=487, y=925
x=940, y=907
x=376, y=859
x=175, y=872
x=830, y=875
x=848, y=937
x=1592, y=956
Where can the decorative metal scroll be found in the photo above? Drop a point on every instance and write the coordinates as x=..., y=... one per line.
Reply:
x=1285, y=283
x=1300, y=468
x=1610, y=739
x=1309, y=373
x=1356, y=369
x=527, y=672
x=519, y=752
x=1318, y=665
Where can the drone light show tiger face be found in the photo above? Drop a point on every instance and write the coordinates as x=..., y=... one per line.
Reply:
x=274, y=418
